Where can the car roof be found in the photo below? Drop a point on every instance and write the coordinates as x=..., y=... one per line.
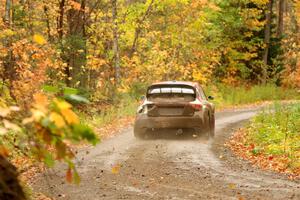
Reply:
x=188, y=83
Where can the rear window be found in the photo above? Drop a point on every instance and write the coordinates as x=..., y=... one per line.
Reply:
x=172, y=90
x=170, y=94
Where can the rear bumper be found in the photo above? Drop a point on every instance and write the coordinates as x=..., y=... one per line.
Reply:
x=145, y=122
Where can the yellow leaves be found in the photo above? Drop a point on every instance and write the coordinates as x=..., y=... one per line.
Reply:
x=3, y=131
x=260, y=2
x=61, y=115
x=123, y=88
x=7, y=33
x=62, y=104
x=96, y=63
x=57, y=119
x=39, y=110
x=6, y=123
x=11, y=126
x=248, y=34
x=232, y=186
x=116, y=169
x=65, y=110
x=4, y=112
x=39, y=39
x=70, y=116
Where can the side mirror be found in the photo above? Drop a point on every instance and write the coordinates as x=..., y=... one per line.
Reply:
x=211, y=98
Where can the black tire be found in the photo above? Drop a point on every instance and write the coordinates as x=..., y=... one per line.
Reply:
x=212, y=127
x=206, y=128
x=139, y=132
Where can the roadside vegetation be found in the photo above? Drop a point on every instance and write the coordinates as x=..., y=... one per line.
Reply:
x=272, y=139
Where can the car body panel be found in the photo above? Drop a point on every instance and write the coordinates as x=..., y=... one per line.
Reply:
x=174, y=108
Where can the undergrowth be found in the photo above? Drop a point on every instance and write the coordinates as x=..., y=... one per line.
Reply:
x=276, y=132
x=231, y=96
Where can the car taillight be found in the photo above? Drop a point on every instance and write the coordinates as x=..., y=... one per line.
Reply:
x=196, y=106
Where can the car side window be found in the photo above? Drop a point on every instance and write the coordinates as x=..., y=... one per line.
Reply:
x=202, y=95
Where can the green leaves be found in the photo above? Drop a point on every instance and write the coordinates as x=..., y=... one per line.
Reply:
x=83, y=132
x=76, y=98
x=275, y=132
x=67, y=93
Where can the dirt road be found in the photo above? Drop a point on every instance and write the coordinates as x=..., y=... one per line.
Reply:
x=177, y=168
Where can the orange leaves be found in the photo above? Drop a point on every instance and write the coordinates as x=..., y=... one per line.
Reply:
x=70, y=116
x=69, y=175
x=75, y=5
x=72, y=175
x=31, y=64
x=3, y=151
x=41, y=102
x=57, y=120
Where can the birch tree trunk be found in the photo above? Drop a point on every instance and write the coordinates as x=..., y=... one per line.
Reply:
x=7, y=16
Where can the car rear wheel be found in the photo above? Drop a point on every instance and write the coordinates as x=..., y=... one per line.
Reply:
x=212, y=127
x=139, y=132
x=209, y=130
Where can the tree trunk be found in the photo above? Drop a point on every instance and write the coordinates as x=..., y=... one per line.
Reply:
x=76, y=39
x=116, y=41
x=10, y=188
x=46, y=11
x=280, y=24
x=267, y=39
x=9, y=68
x=60, y=32
x=30, y=5
x=7, y=16
x=60, y=22
x=139, y=28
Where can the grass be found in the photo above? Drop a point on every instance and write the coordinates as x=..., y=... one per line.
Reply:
x=276, y=132
x=102, y=116
x=226, y=96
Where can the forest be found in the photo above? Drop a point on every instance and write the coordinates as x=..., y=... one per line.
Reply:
x=66, y=63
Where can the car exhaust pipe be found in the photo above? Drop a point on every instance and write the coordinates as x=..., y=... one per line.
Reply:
x=179, y=132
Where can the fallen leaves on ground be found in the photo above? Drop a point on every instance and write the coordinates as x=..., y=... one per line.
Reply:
x=278, y=163
x=114, y=127
x=116, y=169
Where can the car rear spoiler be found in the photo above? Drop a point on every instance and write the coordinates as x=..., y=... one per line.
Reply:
x=170, y=86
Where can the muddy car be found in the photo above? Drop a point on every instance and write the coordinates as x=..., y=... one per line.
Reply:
x=177, y=106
